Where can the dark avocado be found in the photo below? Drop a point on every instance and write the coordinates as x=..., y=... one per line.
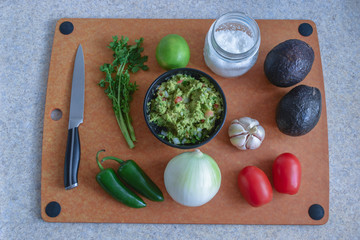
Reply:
x=299, y=110
x=288, y=63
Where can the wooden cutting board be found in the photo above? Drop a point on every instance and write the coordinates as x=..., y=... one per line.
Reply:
x=249, y=95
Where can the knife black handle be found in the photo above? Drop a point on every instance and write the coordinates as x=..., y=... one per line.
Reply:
x=72, y=159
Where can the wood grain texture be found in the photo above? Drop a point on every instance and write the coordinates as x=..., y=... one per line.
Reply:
x=249, y=95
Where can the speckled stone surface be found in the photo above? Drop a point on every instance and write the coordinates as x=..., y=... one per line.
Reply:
x=26, y=35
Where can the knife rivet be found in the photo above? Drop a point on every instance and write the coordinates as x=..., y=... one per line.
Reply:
x=66, y=28
x=53, y=209
x=56, y=114
x=316, y=212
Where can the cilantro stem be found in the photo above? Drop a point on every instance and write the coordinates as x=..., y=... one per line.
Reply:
x=124, y=130
x=127, y=119
x=130, y=127
x=120, y=73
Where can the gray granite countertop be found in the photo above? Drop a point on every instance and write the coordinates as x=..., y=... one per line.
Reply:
x=26, y=36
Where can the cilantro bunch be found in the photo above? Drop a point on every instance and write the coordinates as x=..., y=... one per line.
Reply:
x=127, y=58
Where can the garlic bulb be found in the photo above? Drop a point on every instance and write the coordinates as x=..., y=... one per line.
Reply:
x=246, y=133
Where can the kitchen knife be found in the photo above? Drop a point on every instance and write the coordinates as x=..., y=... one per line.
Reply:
x=76, y=117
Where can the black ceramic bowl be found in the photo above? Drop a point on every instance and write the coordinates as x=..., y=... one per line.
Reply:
x=151, y=94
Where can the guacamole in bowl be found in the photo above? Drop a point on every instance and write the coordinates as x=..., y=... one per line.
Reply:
x=185, y=108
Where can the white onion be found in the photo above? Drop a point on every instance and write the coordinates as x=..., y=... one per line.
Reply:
x=192, y=178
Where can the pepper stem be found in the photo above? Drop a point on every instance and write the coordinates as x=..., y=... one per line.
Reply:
x=97, y=159
x=112, y=158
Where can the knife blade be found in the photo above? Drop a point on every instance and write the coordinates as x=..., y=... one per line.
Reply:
x=76, y=117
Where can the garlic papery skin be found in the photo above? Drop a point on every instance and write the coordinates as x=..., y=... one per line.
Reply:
x=246, y=133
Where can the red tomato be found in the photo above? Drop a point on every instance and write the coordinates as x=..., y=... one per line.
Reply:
x=254, y=186
x=178, y=99
x=209, y=113
x=287, y=174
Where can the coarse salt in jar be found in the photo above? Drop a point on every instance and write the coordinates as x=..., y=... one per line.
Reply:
x=232, y=44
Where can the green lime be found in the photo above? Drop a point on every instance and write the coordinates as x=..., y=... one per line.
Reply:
x=172, y=52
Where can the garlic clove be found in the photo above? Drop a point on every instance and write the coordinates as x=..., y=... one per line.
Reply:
x=243, y=147
x=253, y=142
x=235, y=121
x=235, y=129
x=248, y=123
x=239, y=141
x=259, y=133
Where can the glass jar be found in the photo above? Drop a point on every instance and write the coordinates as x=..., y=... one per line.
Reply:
x=232, y=44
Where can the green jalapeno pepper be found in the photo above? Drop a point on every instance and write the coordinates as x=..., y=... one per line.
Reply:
x=134, y=176
x=111, y=184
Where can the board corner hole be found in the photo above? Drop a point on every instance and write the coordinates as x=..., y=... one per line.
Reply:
x=305, y=29
x=316, y=212
x=53, y=209
x=56, y=114
x=66, y=28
